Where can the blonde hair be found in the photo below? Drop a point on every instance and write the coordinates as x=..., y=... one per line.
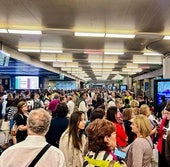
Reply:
x=136, y=111
x=143, y=124
x=118, y=100
x=144, y=109
x=134, y=103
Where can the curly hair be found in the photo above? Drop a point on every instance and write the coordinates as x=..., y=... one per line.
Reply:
x=96, y=132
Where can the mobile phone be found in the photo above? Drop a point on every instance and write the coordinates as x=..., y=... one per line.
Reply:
x=156, y=123
x=120, y=153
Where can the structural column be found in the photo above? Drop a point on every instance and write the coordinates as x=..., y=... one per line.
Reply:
x=166, y=67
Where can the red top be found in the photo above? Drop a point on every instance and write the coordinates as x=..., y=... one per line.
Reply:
x=160, y=135
x=121, y=136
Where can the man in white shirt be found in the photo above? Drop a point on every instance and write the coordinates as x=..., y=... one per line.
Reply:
x=23, y=153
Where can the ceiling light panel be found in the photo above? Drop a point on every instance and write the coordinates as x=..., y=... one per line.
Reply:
x=152, y=54
x=3, y=31
x=95, y=58
x=166, y=37
x=113, y=53
x=109, y=35
x=142, y=59
x=65, y=57
x=34, y=32
x=132, y=69
x=65, y=64
x=71, y=69
x=132, y=65
x=51, y=51
x=102, y=70
x=29, y=50
x=86, y=34
x=48, y=57
x=59, y=64
x=108, y=65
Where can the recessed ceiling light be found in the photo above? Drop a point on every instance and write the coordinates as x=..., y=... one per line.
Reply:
x=109, y=35
x=34, y=32
x=89, y=34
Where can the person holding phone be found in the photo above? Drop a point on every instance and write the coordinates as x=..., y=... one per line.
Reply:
x=101, y=144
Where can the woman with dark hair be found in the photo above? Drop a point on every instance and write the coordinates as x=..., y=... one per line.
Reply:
x=121, y=136
x=58, y=125
x=99, y=100
x=127, y=119
x=20, y=119
x=72, y=141
x=101, y=135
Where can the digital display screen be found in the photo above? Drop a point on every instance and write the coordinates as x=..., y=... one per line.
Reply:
x=123, y=88
x=26, y=82
x=161, y=87
x=66, y=85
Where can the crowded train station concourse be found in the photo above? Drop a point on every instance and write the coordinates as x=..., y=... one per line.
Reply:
x=84, y=83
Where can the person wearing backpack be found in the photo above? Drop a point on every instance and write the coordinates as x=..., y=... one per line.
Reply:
x=37, y=102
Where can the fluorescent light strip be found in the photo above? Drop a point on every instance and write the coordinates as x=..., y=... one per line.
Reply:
x=113, y=53
x=147, y=62
x=51, y=51
x=166, y=37
x=3, y=31
x=29, y=50
x=38, y=50
x=35, y=32
x=152, y=54
x=86, y=34
x=108, y=35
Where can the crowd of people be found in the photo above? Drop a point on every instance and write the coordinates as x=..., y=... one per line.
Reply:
x=85, y=128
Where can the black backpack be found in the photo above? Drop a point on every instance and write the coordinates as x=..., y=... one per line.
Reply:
x=37, y=104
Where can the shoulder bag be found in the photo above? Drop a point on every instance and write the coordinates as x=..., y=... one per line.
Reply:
x=40, y=154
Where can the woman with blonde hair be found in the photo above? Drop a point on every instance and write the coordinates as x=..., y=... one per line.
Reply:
x=134, y=103
x=140, y=151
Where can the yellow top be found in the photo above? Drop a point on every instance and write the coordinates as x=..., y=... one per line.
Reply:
x=101, y=163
